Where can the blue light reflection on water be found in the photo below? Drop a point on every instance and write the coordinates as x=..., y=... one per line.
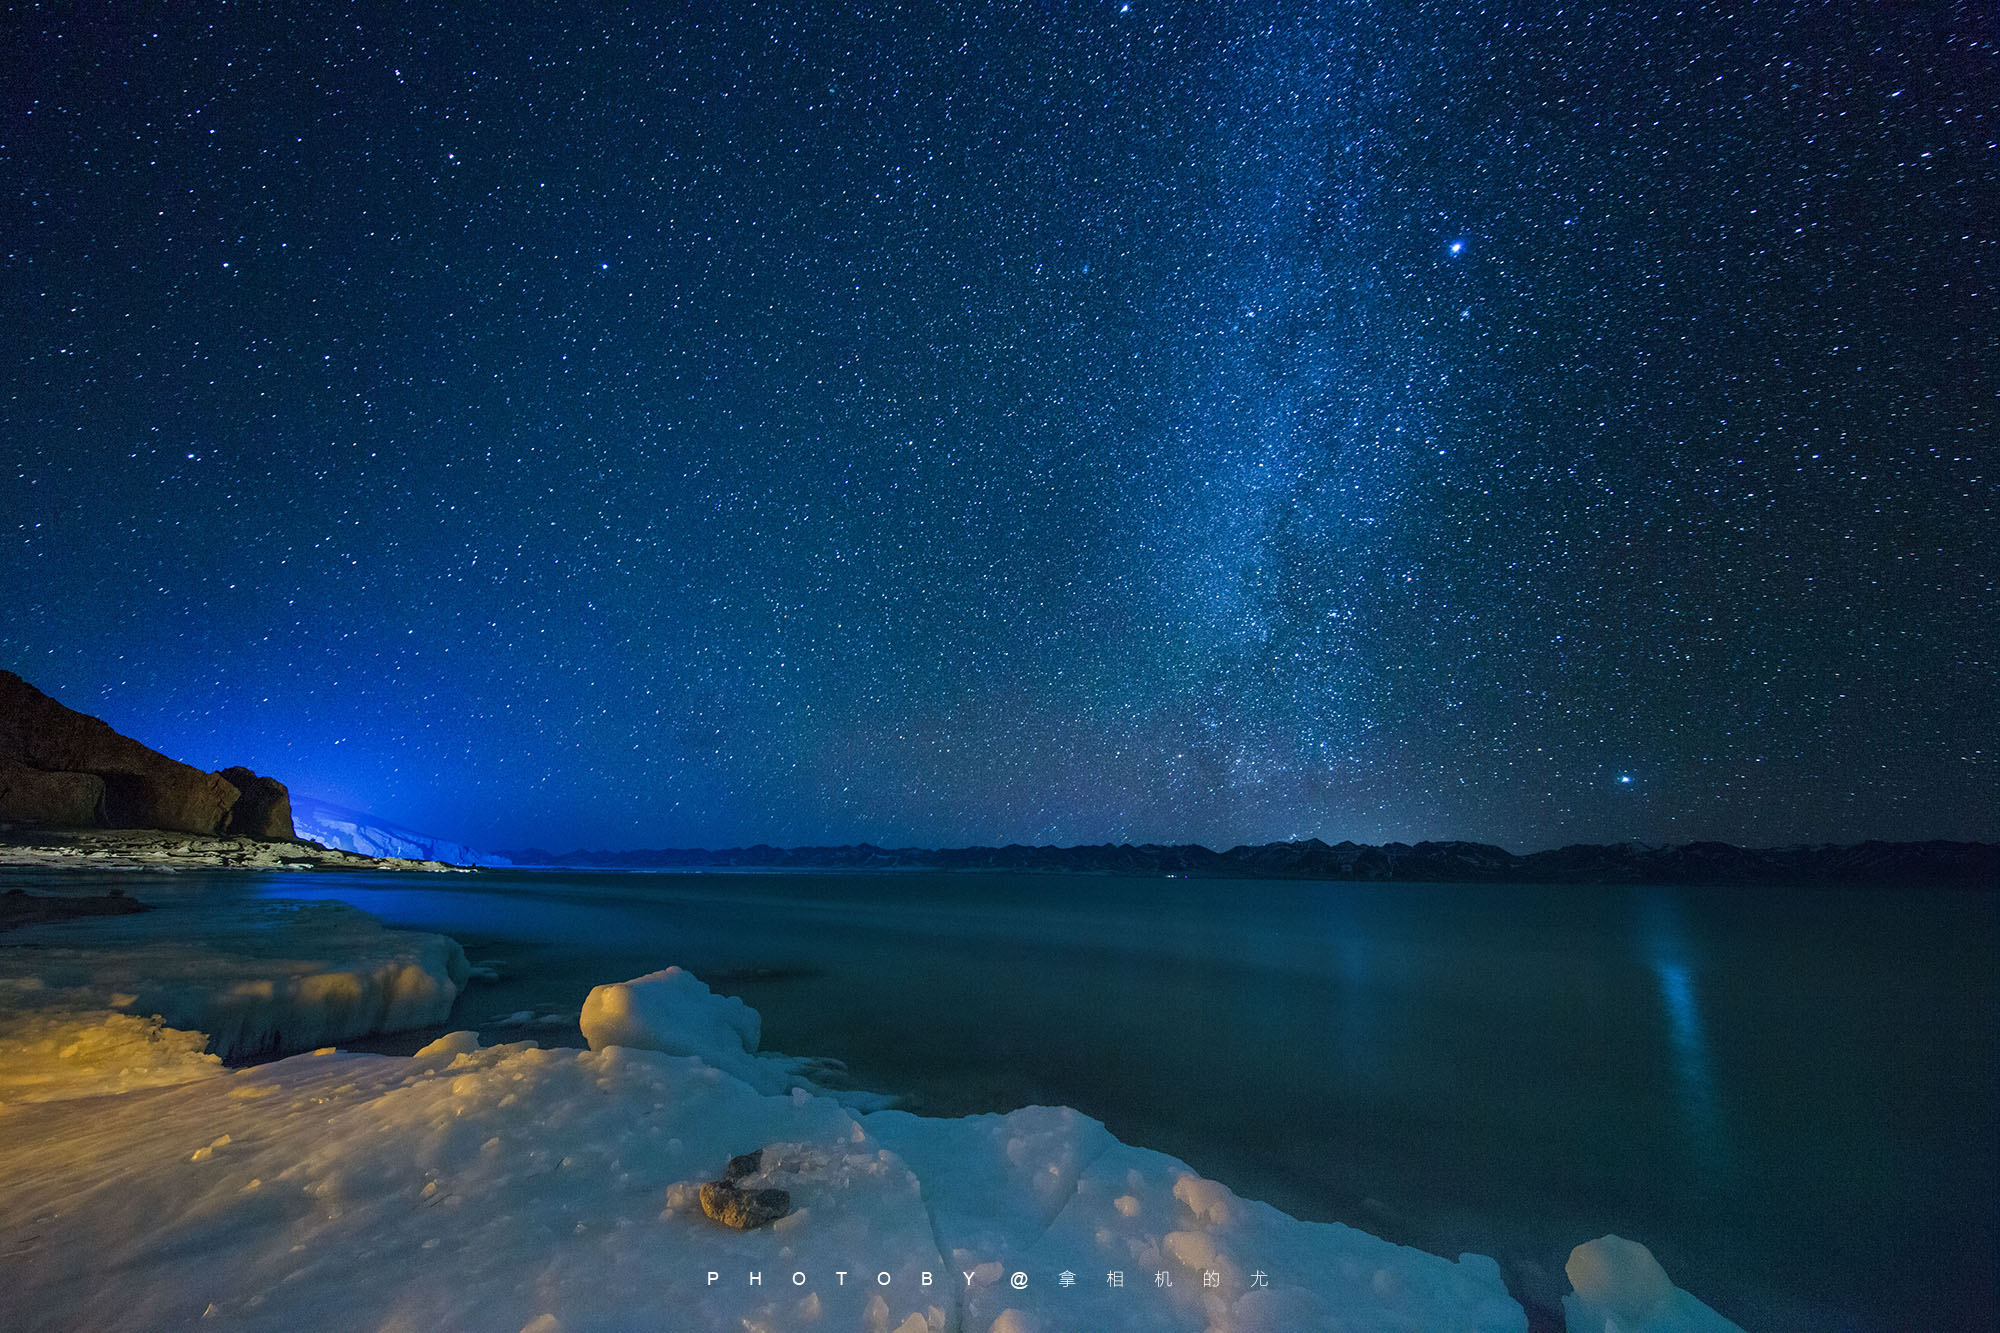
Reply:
x=1665, y=944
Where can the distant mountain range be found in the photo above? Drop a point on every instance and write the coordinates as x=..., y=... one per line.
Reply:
x=1971, y=864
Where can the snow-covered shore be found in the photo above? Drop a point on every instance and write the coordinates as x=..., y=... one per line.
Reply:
x=151, y=849
x=516, y=1188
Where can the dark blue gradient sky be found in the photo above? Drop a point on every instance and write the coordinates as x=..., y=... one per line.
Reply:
x=582, y=425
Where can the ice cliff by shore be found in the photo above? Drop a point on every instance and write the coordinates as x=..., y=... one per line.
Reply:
x=352, y=831
x=109, y=1003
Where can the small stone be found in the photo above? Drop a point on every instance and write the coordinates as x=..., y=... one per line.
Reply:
x=743, y=1209
x=746, y=1165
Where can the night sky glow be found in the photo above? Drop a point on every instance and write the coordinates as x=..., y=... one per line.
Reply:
x=581, y=425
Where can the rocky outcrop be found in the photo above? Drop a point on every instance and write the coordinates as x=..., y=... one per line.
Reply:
x=64, y=800
x=62, y=768
x=263, y=807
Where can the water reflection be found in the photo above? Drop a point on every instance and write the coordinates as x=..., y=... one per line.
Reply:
x=1664, y=939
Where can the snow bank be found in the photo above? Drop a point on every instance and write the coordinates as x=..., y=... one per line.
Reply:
x=1621, y=1288
x=97, y=850
x=461, y=1188
x=493, y=1188
x=255, y=976
x=62, y=1052
x=517, y=1188
x=1047, y=1190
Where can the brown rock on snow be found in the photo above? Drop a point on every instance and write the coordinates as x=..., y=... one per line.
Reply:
x=745, y=1210
x=728, y=1202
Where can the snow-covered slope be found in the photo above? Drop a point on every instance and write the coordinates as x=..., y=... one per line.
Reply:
x=513, y=1185
x=351, y=831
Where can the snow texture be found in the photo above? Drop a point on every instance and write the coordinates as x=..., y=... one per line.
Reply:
x=494, y=1188
x=352, y=831
x=520, y=1188
x=1051, y=1190
x=1621, y=1288
x=257, y=977
x=60, y=1052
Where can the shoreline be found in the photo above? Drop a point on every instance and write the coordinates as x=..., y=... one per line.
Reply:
x=672, y=1086
x=98, y=849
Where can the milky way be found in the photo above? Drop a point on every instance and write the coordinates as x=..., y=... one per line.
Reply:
x=983, y=424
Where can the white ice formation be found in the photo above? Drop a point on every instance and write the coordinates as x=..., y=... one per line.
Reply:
x=672, y=1011
x=257, y=977
x=352, y=831
x=1619, y=1287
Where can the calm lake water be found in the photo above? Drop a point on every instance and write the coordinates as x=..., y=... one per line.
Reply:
x=1790, y=1095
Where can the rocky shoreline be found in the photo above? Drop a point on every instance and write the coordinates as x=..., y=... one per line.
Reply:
x=152, y=849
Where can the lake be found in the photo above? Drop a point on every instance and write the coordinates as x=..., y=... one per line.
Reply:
x=1788, y=1094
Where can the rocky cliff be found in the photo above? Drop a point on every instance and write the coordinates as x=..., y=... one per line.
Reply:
x=61, y=768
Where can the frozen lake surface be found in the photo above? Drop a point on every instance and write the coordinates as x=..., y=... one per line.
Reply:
x=1789, y=1095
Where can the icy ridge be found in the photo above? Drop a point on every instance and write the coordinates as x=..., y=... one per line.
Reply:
x=257, y=977
x=352, y=831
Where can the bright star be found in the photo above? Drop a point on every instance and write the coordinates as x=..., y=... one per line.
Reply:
x=1457, y=247
x=1624, y=779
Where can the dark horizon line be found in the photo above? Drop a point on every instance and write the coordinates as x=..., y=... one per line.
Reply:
x=1632, y=842
x=1932, y=860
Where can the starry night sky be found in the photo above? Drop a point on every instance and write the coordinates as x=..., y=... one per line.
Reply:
x=580, y=425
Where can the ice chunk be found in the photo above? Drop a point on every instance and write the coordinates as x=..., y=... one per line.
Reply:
x=257, y=976
x=673, y=1011
x=1621, y=1288
x=448, y=1048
